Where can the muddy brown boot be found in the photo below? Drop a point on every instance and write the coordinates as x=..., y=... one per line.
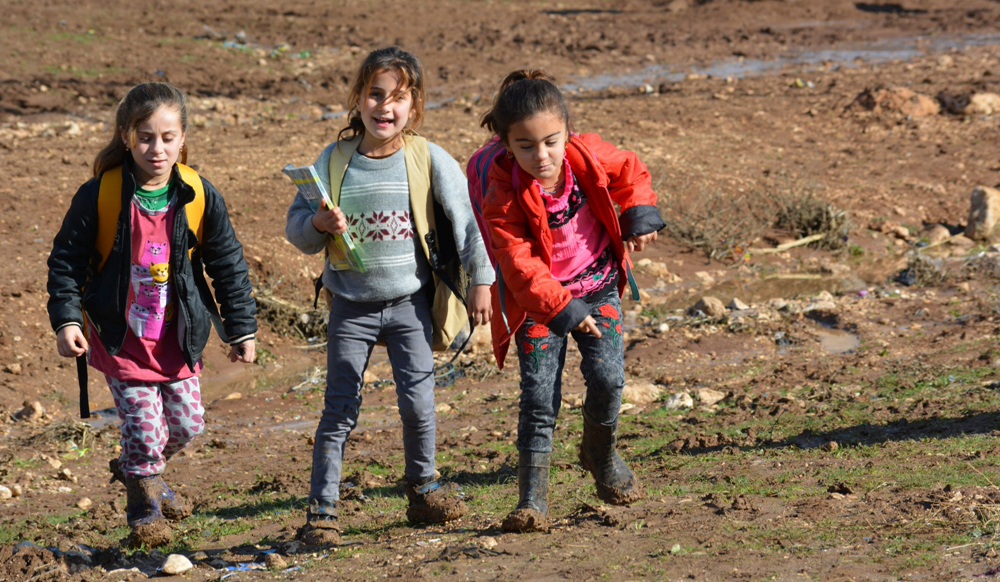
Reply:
x=322, y=524
x=431, y=502
x=145, y=517
x=616, y=483
x=173, y=505
x=532, y=511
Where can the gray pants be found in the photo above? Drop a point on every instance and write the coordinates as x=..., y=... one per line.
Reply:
x=404, y=325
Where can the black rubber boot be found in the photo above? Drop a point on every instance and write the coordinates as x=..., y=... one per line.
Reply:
x=173, y=505
x=431, y=502
x=531, y=513
x=145, y=517
x=616, y=483
x=322, y=524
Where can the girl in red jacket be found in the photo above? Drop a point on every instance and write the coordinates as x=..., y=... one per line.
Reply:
x=561, y=249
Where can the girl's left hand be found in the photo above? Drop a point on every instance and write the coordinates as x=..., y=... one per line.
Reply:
x=480, y=306
x=243, y=352
x=639, y=241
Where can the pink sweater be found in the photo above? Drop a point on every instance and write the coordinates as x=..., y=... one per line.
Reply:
x=578, y=240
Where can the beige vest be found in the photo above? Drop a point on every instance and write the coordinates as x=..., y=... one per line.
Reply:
x=449, y=312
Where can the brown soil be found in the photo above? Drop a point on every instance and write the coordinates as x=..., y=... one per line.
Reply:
x=268, y=84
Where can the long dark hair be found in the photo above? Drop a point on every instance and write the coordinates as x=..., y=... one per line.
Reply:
x=138, y=105
x=522, y=94
x=390, y=58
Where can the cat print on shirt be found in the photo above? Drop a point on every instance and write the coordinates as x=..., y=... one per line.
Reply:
x=152, y=306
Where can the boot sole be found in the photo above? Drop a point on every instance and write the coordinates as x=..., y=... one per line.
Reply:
x=524, y=520
x=629, y=493
x=174, y=509
x=151, y=535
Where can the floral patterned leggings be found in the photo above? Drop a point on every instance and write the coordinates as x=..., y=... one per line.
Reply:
x=158, y=420
x=542, y=355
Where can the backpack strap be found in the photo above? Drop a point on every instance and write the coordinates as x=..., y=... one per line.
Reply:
x=340, y=157
x=109, y=207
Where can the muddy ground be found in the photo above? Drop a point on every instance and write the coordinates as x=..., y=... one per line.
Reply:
x=854, y=437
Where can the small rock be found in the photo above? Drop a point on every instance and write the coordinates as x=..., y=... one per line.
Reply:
x=831, y=446
x=176, y=564
x=824, y=295
x=32, y=411
x=983, y=103
x=52, y=461
x=231, y=396
x=443, y=407
x=937, y=233
x=66, y=475
x=677, y=401
x=16, y=490
x=5, y=493
x=705, y=279
x=736, y=305
x=273, y=560
x=901, y=232
x=961, y=241
x=710, y=306
x=821, y=306
x=84, y=503
x=641, y=393
x=14, y=368
x=488, y=543
x=708, y=397
x=572, y=400
x=984, y=213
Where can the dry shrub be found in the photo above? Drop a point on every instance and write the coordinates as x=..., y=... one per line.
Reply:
x=923, y=270
x=720, y=225
x=723, y=225
x=805, y=215
x=60, y=432
x=982, y=266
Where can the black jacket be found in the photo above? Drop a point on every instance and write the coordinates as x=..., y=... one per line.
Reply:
x=75, y=286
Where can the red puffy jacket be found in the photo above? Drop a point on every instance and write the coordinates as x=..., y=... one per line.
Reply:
x=521, y=238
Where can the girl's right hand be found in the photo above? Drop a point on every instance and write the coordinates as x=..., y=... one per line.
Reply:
x=331, y=220
x=71, y=342
x=589, y=325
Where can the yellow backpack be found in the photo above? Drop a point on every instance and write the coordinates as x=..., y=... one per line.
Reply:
x=434, y=230
x=109, y=207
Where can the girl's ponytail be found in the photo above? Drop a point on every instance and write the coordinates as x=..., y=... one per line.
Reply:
x=522, y=94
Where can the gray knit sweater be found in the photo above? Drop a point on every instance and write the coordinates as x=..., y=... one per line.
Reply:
x=375, y=198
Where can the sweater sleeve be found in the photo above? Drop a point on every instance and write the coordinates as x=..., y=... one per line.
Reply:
x=299, y=229
x=451, y=191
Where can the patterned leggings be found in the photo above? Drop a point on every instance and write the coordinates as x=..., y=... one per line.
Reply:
x=158, y=420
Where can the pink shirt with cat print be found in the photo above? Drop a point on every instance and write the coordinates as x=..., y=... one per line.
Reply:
x=151, y=350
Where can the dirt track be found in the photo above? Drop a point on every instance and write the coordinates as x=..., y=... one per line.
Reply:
x=750, y=488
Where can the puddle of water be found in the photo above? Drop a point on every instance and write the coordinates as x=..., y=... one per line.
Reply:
x=838, y=341
x=762, y=290
x=874, y=52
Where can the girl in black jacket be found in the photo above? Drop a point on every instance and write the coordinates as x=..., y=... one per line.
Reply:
x=126, y=283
